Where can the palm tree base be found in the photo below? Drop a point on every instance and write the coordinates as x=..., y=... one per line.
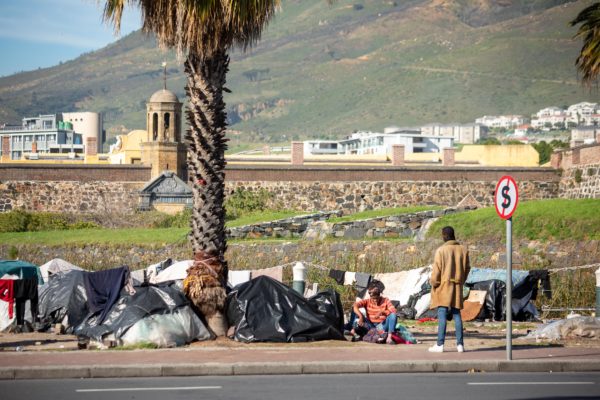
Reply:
x=217, y=323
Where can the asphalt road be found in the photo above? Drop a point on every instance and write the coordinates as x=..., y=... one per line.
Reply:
x=488, y=386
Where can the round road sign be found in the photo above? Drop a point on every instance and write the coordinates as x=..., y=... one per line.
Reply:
x=506, y=197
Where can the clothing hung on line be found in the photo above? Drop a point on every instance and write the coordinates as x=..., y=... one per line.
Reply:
x=337, y=275
x=26, y=289
x=7, y=294
x=103, y=289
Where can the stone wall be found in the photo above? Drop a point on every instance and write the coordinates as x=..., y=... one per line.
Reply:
x=70, y=196
x=357, y=196
x=92, y=189
x=393, y=226
x=283, y=228
x=581, y=182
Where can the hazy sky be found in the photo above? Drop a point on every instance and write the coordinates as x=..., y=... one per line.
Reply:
x=41, y=33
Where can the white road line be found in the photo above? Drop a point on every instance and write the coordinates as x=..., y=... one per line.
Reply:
x=531, y=383
x=148, y=389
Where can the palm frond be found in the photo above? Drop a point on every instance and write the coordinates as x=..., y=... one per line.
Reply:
x=588, y=61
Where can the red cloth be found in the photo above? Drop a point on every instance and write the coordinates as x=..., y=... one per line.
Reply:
x=7, y=294
x=426, y=319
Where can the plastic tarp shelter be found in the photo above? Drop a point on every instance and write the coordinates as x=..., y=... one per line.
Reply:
x=264, y=310
x=16, y=269
x=158, y=314
x=55, y=266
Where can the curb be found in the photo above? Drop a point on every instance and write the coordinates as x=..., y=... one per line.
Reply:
x=292, y=368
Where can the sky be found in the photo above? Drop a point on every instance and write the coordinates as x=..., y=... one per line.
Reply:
x=42, y=33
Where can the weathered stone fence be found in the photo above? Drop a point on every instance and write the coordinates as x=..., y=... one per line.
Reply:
x=282, y=228
x=393, y=226
x=316, y=226
x=581, y=182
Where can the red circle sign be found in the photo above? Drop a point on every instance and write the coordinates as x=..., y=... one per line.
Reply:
x=506, y=197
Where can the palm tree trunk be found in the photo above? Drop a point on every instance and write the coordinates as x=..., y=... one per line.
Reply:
x=206, y=280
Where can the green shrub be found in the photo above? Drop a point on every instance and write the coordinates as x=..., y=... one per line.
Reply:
x=14, y=221
x=242, y=202
x=23, y=221
x=84, y=225
x=578, y=175
x=179, y=220
x=47, y=222
x=13, y=253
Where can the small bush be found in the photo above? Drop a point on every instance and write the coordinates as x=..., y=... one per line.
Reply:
x=14, y=221
x=13, y=253
x=179, y=220
x=578, y=175
x=23, y=221
x=591, y=171
x=242, y=202
x=46, y=222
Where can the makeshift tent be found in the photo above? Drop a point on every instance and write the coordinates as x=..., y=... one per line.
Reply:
x=24, y=278
x=147, y=310
x=157, y=314
x=264, y=310
x=150, y=273
x=56, y=266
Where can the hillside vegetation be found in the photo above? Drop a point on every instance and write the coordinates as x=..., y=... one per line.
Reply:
x=325, y=70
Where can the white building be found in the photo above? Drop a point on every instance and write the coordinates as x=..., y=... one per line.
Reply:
x=46, y=134
x=462, y=133
x=367, y=143
x=584, y=113
x=501, y=121
x=584, y=135
x=89, y=124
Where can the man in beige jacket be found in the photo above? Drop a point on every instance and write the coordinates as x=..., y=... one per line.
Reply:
x=450, y=270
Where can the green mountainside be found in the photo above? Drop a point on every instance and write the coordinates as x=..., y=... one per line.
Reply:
x=323, y=70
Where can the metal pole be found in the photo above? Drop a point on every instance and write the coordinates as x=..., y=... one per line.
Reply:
x=509, y=289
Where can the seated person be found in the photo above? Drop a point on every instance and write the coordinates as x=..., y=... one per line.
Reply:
x=381, y=314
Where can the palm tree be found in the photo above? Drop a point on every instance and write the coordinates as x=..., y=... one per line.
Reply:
x=588, y=61
x=203, y=31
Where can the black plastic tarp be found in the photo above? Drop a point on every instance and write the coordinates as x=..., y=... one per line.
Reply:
x=265, y=310
x=129, y=309
x=64, y=296
x=523, y=295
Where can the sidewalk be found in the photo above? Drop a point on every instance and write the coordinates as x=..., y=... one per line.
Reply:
x=226, y=357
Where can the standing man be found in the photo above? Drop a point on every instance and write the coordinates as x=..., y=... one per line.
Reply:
x=450, y=270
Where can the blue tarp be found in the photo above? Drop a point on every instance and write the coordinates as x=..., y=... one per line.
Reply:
x=484, y=274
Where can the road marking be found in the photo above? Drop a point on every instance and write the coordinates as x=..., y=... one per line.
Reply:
x=148, y=389
x=531, y=383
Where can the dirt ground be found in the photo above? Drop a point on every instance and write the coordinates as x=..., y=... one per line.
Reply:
x=477, y=335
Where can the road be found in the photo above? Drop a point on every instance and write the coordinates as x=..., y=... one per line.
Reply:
x=460, y=386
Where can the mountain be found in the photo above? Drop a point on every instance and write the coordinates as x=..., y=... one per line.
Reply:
x=325, y=70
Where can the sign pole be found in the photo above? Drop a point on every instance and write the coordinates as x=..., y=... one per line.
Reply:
x=509, y=289
x=506, y=198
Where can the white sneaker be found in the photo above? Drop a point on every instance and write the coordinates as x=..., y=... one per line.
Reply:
x=460, y=348
x=436, y=349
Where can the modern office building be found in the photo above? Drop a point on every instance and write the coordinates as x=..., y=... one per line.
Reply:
x=374, y=143
x=42, y=134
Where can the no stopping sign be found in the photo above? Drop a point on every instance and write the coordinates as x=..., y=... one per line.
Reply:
x=506, y=197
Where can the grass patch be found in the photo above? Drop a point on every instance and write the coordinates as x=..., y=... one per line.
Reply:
x=556, y=219
x=384, y=212
x=262, y=216
x=93, y=236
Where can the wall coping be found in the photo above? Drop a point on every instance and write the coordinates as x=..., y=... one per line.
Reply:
x=73, y=166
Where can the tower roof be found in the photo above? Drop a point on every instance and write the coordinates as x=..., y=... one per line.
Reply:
x=164, y=96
